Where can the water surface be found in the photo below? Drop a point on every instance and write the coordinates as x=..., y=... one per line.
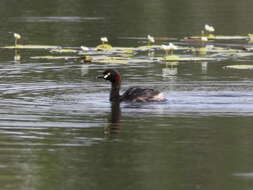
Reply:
x=58, y=129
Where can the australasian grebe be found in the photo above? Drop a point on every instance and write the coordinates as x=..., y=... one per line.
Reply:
x=132, y=94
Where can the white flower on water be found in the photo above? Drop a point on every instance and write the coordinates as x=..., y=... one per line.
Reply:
x=104, y=39
x=169, y=47
x=209, y=28
x=151, y=39
x=204, y=39
x=84, y=48
x=17, y=36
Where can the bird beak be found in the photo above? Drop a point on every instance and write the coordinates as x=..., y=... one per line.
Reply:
x=100, y=77
x=104, y=76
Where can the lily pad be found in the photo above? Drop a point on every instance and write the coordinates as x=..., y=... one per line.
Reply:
x=148, y=47
x=103, y=47
x=241, y=67
x=56, y=57
x=220, y=37
x=229, y=37
x=186, y=58
x=105, y=59
x=63, y=50
x=124, y=50
x=212, y=49
x=31, y=47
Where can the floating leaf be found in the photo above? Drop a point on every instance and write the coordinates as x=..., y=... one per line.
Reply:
x=213, y=49
x=230, y=37
x=102, y=47
x=219, y=37
x=123, y=50
x=62, y=50
x=186, y=58
x=56, y=57
x=242, y=67
x=31, y=47
x=104, y=59
x=148, y=47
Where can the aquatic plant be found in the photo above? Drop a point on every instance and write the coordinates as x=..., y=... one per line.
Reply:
x=169, y=48
x=105, y=53
x=104, y=45
x=250, y=38
x=209, y=28
x=240, y=67
x=17, y=37
x=84, y=48
x=104, y=39
x=209, y=31
x=151, y=40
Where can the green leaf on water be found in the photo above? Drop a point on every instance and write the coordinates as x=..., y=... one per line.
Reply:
x=103, y=47
x=116, y=60
x=31, y=47
x=185, y=58
x=56, y=57
x=220, y=37
x=242, y=67
x=63, y=50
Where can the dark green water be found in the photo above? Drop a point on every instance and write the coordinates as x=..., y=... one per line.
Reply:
x=59, y=131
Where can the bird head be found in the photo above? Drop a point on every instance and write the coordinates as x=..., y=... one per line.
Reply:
x=111, y=75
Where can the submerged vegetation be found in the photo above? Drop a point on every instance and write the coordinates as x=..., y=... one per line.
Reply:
x=206, y=47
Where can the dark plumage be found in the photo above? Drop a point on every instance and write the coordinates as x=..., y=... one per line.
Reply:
x=132, y=94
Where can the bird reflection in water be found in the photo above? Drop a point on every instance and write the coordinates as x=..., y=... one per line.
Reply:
x=114, y=119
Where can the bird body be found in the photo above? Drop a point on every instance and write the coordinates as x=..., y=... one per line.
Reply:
x=132, y=94
x=141, y=95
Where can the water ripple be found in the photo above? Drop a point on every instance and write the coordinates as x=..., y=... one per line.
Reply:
x=58, y=19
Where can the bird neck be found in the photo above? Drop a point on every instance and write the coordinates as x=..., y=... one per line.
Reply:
x=114, y=95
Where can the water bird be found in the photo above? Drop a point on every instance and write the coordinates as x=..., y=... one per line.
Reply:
x=132, y=94
x=209, y=28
